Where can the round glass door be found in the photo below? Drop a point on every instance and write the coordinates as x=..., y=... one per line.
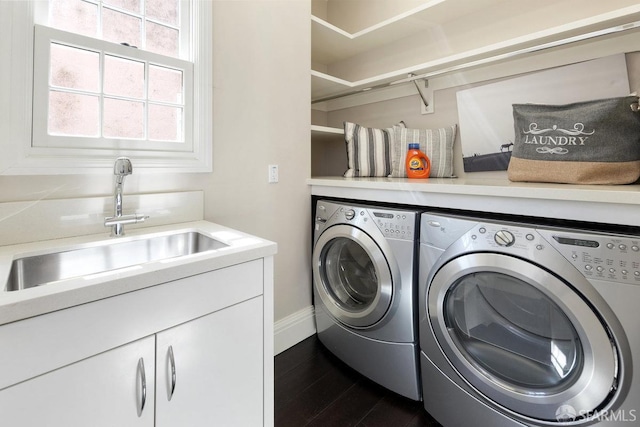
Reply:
x=349, y=274
x=352, y=276
x=513, y=333
x=521, y=336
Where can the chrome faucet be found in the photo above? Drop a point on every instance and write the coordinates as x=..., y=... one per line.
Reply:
x=121, y=169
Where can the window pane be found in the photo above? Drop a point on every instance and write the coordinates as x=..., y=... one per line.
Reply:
x=123, y=77
x=123, y=119
x=163, y=10
x=74, y=68
x=130, y=5
x=76, y=16
x=165, y=123
x=119, y=27
x=165, y=84
x=73, y=114
x=161, y=39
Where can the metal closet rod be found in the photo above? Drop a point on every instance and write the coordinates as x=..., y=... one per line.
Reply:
x=495, y=58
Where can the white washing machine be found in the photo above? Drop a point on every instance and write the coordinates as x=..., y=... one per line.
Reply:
x=364, y=284
x=523, y=325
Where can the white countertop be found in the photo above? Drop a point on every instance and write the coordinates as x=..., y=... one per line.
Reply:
x=66, y=293
x=610, y=204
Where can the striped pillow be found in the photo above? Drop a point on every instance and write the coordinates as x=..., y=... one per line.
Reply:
x=437, y=144
x=368, y=150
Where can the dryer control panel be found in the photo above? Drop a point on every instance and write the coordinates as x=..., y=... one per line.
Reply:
x=603, y=257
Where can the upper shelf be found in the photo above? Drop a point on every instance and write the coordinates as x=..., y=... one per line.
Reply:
x=331, y=44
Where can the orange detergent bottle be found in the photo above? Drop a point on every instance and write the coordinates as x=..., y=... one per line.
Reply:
x=418, y=164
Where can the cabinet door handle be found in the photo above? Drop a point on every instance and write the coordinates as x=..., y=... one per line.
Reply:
x=143, y=383
x=172, y=362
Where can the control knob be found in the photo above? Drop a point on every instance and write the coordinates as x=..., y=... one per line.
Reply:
x=350, y=214
x=504, y=238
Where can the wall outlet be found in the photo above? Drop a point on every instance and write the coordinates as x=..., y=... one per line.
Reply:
x=273, y=174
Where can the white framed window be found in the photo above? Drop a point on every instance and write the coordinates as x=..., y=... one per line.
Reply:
x=98, y=94
x=118, y=77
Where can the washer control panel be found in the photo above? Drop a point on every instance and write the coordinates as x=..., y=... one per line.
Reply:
x=612, y=258
x=392, y=223
x=395, y=224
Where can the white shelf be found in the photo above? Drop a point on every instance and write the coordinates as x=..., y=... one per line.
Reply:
x=329, y=43
x=325, y=134
x=325, y=85
x=608, y=204
x=322, y=130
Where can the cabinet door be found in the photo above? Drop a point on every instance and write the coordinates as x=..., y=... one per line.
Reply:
x=210, y=370
x=104, y=390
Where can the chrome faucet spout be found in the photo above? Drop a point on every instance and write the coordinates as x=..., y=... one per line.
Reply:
x=117, y=201
x=121, y=169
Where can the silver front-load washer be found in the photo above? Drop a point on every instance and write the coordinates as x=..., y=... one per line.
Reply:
x=523, y=325
x=364, y=271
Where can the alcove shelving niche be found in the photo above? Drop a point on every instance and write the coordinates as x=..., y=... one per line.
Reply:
x=361, y=48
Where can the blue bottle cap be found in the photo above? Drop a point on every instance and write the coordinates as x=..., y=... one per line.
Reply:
x=414, y=146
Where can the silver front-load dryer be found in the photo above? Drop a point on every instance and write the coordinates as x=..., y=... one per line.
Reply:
x=364, y=291
x=523, y=325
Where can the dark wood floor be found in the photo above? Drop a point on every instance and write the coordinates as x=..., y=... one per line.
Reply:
x=314, y=388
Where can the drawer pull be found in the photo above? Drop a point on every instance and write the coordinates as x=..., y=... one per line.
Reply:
x=143, y=383
x=172, y=362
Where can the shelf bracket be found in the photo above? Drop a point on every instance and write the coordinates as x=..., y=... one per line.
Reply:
x=426, y=96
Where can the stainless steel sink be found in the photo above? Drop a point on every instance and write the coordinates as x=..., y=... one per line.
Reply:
x=31, y=271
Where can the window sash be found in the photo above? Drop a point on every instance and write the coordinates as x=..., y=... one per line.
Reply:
x=186, y=9
x=44, y=36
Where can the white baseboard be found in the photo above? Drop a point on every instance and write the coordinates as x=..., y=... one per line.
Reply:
x=294, y=328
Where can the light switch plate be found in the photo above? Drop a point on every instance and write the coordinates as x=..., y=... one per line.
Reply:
x=273, y=174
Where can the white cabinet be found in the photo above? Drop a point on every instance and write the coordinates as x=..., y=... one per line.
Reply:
x=209, y=371
x=104, y=390
x=191, y=352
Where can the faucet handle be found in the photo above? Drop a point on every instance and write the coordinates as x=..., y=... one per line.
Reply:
x=125, y=219
x=122, y=167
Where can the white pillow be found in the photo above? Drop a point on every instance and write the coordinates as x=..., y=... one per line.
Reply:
x=368, y=150
x=437, y=144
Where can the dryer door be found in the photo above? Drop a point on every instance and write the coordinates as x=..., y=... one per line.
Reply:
x=352, y=276
x=522, y=337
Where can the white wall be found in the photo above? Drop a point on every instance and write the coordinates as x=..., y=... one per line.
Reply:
x=261, y=116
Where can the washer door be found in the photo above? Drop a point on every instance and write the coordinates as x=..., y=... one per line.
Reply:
x=352, y=276
x=522, y=337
